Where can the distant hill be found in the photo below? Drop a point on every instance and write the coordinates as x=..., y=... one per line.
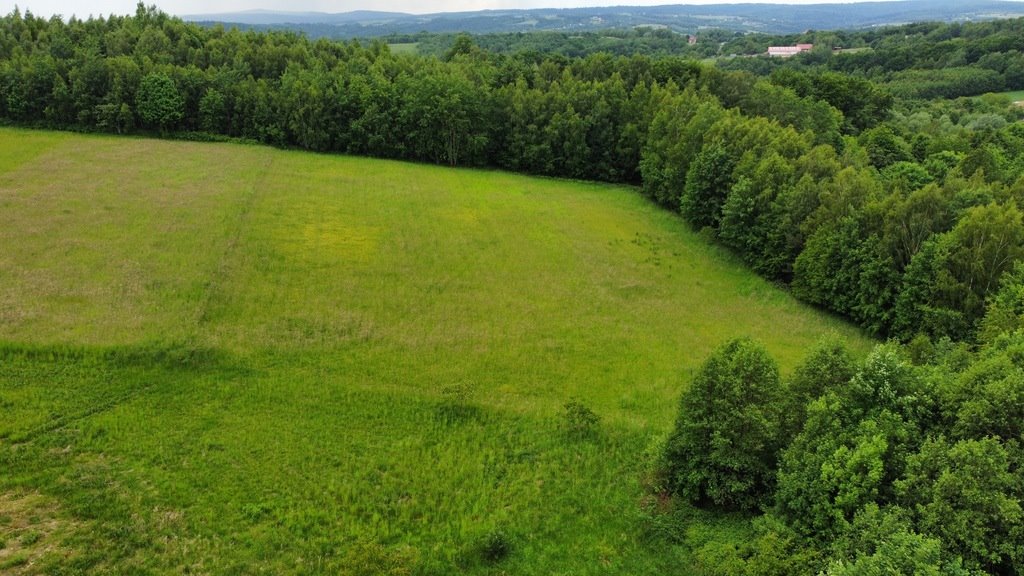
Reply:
x=269, y=17
x=768, y=18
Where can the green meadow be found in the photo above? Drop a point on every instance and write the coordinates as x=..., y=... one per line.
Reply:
x=1015, y=96
x=404, y=47
x=230, y=359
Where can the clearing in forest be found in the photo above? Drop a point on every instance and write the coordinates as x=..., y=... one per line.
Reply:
x=218, y=358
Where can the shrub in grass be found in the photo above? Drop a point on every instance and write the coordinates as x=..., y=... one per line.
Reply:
x=579, y=421
x=456, y=405
x=495, y=546
x=14, y=560
x=30, y=538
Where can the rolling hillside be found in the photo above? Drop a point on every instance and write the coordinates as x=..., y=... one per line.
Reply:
x=218, y=358
x=748, y=17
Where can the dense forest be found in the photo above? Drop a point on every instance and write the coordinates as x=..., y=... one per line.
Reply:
x=831, y=173
x=649, y=41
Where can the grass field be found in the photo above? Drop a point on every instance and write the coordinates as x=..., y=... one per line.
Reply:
x=405, y=47
x=1014, y=96
x=227, y=359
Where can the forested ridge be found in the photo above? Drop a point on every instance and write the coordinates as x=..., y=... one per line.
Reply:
x=742, y=18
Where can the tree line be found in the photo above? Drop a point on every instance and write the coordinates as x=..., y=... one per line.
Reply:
x=653, y=42
x=902, y=218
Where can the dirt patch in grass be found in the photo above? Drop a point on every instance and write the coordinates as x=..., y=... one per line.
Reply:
x=33, y=533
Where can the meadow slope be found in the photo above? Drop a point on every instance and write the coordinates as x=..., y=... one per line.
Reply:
x=218, y=358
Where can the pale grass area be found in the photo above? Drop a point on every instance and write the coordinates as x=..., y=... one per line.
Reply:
x=113, y=241
x=33, y=530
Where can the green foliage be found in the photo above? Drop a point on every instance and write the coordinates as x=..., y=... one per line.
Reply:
x=871, y=485
x=904, y=217
x=881, y=542
x=752, y=216
x=862, y=103
x=824, y=479
x=723, y=449
x=806, y=114
x=158, y=102
x=986, y=399
x=985, y=159
x=939, y=164
x=213, y=111
x=1005, y=309
x=828, y=270
x=949, y=280
x=675, y=138
x=913, y=218
x=853, y=445
x=885, y=147
x=730, y=149
x=946, y=83
x=828, y=367
x=463, y=46
x=896, y=469
x=708, y=181
x=907, y=176
x=772, y=550
x=966, y=495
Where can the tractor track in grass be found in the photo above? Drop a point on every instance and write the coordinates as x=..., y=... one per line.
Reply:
x=221, y=272
x=62, y=422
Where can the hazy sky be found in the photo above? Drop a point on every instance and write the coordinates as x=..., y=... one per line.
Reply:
x=84, y=8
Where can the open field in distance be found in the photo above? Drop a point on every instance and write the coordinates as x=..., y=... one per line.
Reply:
x=1015, y=96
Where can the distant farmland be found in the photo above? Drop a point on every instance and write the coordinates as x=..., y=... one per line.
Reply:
x=1015, y=96
x=219, y=358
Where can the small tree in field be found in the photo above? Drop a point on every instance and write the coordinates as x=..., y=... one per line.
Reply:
x=724, y=447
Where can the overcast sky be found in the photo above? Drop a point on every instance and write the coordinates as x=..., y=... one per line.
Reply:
x=84, y=8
